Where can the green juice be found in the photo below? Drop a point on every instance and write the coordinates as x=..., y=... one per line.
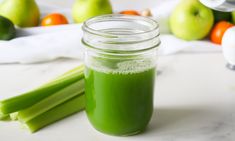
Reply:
x=119, y=103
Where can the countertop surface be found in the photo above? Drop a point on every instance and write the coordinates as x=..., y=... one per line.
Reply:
x=194, y=98
x=194, y=101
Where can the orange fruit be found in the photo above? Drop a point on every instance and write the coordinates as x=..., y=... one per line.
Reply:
x=130, y=12
x=54, y=19
x=218, y=31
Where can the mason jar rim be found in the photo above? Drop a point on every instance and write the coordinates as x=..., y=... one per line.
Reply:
x=120, y=16
x=152, y=32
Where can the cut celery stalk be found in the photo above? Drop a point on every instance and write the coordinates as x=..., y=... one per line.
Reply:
x=3, y=117
x=26, y=100
x=61, y=111
x=52, y=101
x=14, y=116
x=67, y=75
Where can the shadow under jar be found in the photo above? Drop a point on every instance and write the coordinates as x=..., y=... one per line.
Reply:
x=120, y=59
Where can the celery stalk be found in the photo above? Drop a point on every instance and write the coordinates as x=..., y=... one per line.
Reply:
x=67, y=75
x=52, y=101
x=26, y=100
x=3, y=117
x=14, y=116
x=61, y=111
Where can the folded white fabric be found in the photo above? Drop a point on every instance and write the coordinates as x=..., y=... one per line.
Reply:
x=170, y=45
x=41, y=44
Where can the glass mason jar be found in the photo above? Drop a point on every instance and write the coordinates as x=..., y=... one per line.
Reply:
x=120, y=60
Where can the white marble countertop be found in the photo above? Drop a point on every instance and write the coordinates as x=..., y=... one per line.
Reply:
x=194, y=101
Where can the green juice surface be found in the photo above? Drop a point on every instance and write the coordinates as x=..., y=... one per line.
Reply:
x=119, y=103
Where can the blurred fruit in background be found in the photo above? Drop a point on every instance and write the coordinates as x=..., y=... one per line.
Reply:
x=233, y=17
x=222, y=16
x=85, y=9
x=146, y=13
x=130, y=12
x=23, y=13
x=219, y=30
x=54, y=19
x=7, y=29
x=191, y=20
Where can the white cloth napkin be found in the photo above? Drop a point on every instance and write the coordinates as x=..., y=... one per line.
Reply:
x=42, y=44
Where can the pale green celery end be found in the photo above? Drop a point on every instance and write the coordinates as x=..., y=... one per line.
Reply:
x=52, y=101
x=61, y=111
x=23, y=101
x=14, y=116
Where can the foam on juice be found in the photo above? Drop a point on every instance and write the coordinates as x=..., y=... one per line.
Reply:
x=124, y=67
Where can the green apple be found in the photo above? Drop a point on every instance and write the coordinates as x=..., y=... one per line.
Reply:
x=233, y=17
x=191, y=20
x=85, y=9
x=222, y=16
x=23, y=13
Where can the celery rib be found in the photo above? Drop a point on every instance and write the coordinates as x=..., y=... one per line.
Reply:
x=52, y=101
x=68, y=75
x=14, y=116
x=3, y=116
x=26, y=100
x=61, y=111
x=49, y=103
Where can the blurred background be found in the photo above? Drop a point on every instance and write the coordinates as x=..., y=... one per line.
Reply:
x=117, y=4
x=203, y=28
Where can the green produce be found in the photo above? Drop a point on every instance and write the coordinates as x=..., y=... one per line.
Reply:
x=23, y=13
x=222, y=16
x=119, y=103
x=7, y=29
x=28, y=99
x=191, y=20
x=51, y=102
x=70, y=107
x=14, y=116
x=3, y=117
x=85, y=9
x=233, y=17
